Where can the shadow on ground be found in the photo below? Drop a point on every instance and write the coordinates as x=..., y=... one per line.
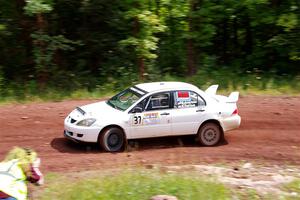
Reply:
x=67, y=146
x=64, y=145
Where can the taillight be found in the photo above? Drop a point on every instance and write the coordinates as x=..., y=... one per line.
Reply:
x=235, y=112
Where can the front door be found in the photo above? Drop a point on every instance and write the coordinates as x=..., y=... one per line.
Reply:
x=155, y=120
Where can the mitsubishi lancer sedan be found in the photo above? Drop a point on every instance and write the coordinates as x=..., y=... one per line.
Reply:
x=154, y=110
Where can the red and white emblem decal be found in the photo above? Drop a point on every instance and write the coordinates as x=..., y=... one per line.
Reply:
x=183, y=94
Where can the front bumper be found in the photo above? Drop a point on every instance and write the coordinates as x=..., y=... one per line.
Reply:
x=66, y=134
x=81, y=134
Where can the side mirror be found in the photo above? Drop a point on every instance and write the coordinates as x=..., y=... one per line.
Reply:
x=137, y=110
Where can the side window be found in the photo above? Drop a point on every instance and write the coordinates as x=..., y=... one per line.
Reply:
x=141, y=105
x=201, y=101
x=159, y=101
x=187, y=99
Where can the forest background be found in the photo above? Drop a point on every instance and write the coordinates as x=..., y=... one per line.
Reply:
x=77, y=48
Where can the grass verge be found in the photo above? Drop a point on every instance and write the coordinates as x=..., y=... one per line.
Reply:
x=133, y=185
x=253, y=83
x=141, y=184
x=294, y=189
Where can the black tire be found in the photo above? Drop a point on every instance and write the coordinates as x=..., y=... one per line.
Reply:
x=210, y=134
x=112, y=139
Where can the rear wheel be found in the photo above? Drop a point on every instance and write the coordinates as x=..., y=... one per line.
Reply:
x=210, y=134
x=112, y=139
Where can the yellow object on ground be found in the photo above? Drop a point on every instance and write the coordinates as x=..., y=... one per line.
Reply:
x=13, y=179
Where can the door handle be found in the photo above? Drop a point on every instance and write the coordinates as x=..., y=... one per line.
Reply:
x=200, y=110
x=165, y=113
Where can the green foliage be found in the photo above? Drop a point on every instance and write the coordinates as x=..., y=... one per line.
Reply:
x=45, y=48
x=71, y=86
x=2, y=27
x=144, y=41
x=254, y=81
x=137, y=184
x=33, y=7
x=38, y=43
x=288, y=21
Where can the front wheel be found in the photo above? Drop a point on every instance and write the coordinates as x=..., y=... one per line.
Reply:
x=112, y=139
x=210, y=134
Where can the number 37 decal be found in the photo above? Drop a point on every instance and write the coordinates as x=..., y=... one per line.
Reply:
x=137, y=120
x=146, y=119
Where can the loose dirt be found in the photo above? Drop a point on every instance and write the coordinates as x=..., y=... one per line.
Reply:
x=269, y=134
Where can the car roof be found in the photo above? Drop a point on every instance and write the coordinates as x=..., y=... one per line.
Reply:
x=162, y=86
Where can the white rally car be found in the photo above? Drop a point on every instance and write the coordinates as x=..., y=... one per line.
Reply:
x=154, y=110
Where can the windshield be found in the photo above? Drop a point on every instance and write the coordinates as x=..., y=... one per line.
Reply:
x=124, y=100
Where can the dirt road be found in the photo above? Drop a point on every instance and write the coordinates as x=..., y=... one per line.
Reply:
x=270, y=133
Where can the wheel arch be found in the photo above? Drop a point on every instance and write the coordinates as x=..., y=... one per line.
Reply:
x=112, y=126
x=215, y=121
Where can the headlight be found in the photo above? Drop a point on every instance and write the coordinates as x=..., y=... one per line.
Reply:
x=86, y=122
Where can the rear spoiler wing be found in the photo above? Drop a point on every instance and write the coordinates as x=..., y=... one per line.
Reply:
x=212, y=90
x=232, y=98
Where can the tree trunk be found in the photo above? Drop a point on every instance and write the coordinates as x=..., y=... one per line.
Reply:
x=40, y=22
x=42, y=71
x=140, y=59
x=191, y=64
x=191, y=58
x=224, y=43
x=249, y=40
x=141, y=64
x=235, y=37
x=25, y=25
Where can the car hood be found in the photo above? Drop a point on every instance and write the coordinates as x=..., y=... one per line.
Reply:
x=94, y=110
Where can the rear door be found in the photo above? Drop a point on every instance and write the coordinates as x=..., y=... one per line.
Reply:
x=155, y=119
x=188, y=113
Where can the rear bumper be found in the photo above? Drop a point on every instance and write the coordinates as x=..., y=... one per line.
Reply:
x=231, y=122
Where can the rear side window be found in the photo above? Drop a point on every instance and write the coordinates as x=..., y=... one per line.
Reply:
x=187, y=99
x=159, y=101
